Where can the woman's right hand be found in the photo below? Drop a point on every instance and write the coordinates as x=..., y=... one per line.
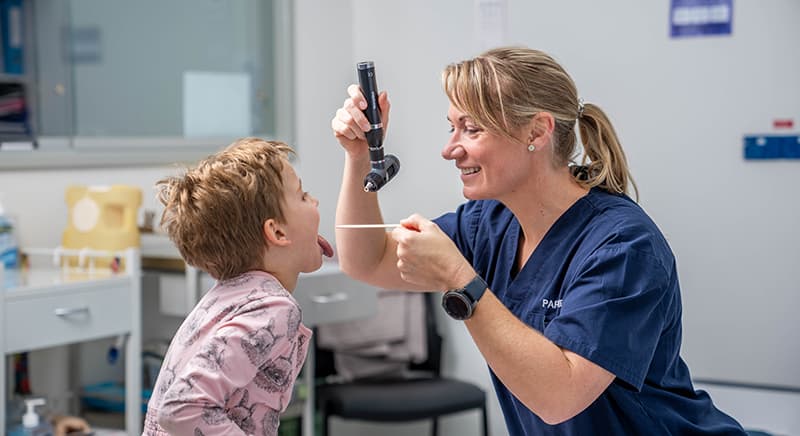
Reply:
x=350, y=123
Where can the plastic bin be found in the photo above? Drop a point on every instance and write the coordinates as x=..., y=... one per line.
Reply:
x=110, y=397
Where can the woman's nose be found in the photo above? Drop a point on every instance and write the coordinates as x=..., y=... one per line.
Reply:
x=452, y=150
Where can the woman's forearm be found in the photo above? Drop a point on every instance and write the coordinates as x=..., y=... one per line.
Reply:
x=553, y=383
x=360, y=251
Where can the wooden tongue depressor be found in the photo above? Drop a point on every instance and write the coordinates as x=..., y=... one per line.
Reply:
x=367, y=226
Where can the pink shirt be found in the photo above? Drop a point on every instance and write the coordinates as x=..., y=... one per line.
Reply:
x=231, y=366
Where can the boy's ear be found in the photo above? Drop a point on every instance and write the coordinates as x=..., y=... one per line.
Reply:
x=274, y=233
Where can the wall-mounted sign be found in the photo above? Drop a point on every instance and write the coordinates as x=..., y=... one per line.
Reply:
x=700, y=17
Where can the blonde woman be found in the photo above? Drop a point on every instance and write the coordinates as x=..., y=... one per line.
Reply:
x=567, y=287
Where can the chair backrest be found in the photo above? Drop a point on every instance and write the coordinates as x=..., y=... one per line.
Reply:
x=324, y=365
x=324, y=360
x=433, y=363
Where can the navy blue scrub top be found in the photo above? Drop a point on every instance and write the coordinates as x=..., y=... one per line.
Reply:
x=603, y=284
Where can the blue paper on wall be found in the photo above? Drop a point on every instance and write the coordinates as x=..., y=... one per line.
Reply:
x=700, y=17
x=772, y=146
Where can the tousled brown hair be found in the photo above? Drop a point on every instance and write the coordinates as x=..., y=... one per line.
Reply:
x=214, y=213
x=503, y=88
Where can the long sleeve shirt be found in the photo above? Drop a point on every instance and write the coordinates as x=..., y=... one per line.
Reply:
x=231, y=366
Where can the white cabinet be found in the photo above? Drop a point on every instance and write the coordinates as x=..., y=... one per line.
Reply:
x=328, y=295
x=34, y=320
x=44, y=307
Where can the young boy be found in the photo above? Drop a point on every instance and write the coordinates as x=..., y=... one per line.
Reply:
x=242, y=216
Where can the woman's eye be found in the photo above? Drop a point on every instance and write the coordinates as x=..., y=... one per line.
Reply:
x=471, y=130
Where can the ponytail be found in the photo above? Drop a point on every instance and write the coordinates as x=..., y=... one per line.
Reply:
x=603, y=164
x=504, y=87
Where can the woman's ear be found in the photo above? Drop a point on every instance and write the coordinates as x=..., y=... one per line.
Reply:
x=274, y=233
x=540, y=129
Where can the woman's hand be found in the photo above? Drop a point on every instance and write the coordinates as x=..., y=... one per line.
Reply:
x=427, y=257
x=350, y=123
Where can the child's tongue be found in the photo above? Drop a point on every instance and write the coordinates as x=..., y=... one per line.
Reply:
x=327, y=250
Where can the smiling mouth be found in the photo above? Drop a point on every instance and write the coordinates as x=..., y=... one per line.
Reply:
x=468, y=171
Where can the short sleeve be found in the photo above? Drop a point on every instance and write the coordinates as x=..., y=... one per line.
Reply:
x=613, y=312
x=461, y=226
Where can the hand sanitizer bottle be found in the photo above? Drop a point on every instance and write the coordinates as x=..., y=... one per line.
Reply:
x=31, y=423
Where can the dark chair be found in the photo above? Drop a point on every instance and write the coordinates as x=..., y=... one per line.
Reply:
x=400, y=399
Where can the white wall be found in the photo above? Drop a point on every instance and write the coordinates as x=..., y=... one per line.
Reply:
x=680, y=107
x=758, y=409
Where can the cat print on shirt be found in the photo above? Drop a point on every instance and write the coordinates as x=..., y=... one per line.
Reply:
x=258, y=344
x=197, y=319
x=212, y=355
x=300, y=355
x=293, y=322
x=167, y=377
x=194, y=322
x=270, y=422
x=276, y=375
x=180, y=388
x=242, y=412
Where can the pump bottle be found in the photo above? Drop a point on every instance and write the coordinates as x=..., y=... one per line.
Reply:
x=32, y=424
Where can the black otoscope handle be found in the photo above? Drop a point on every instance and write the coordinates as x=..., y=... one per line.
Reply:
x=383, y=169
x=369, y=87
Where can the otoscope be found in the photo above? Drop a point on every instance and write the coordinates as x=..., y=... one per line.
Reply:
x=383, y=169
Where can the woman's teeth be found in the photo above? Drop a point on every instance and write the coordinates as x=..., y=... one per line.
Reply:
x=468, y=171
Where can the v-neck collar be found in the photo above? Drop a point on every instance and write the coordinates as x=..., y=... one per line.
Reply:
x=521, y=281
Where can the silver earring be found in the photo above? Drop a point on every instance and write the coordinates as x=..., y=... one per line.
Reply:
x=531, y=147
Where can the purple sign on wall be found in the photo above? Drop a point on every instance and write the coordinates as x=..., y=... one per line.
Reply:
x=700, y=17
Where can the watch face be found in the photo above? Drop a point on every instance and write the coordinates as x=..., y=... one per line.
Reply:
x=456, y=305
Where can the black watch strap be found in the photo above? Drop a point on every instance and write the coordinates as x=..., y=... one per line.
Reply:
x=475, y=289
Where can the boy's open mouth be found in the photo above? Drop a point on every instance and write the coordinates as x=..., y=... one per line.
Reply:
x=327, y=250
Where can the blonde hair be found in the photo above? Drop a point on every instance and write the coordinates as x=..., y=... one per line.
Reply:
x=503, y=88
x=214, y=212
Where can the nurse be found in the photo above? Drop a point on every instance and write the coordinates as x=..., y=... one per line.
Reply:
x=568, y=288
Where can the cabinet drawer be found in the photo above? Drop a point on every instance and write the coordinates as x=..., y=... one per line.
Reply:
x=46, y=320
x=332, y=296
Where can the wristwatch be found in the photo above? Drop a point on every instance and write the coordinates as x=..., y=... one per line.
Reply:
x=460, y=303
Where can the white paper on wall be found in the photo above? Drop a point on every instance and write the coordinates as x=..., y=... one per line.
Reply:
x=216, y=104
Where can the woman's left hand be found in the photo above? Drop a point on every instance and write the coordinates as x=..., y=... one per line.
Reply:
x=427, y=257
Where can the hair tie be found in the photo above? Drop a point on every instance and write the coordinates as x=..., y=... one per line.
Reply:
x=580, y=107
x=580, y=172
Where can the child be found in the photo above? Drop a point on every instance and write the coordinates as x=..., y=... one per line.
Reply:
x=242, y=216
